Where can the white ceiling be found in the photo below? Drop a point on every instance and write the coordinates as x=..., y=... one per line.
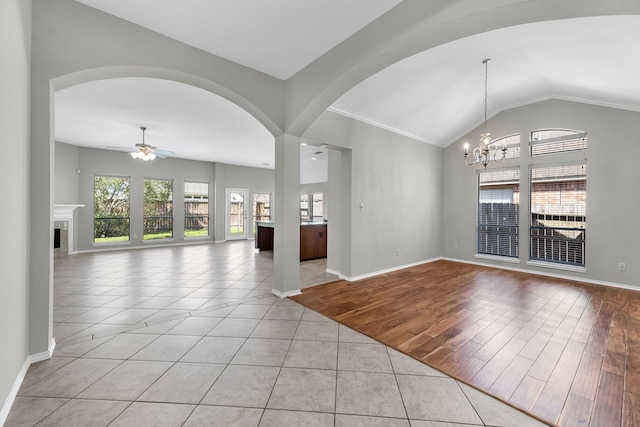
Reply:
x=277, y=37
x=435, y=96
x=190, y=121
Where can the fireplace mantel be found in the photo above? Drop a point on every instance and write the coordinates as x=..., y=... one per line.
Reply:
x=64, y=213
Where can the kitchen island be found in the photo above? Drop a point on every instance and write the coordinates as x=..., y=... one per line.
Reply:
x=313, y=239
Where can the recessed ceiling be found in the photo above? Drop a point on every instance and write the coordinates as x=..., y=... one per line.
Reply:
x=437, y=96
x=277, y=37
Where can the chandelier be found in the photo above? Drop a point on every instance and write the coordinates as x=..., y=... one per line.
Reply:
x=486, y=151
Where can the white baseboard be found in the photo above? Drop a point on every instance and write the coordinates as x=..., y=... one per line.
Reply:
x=127, y=246
x=45, y=355
x=548, y=274
x=33, y=358
x=387, y=270
x=335, y=272
x=285, y=294
x=4, y=413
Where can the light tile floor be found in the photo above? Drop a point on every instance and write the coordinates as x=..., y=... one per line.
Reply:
x=192, y=336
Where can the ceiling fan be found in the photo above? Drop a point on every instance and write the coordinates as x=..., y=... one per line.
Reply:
x=146, y=152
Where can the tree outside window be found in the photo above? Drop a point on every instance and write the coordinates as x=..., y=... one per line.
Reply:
x=111, y=209
x=158, y=209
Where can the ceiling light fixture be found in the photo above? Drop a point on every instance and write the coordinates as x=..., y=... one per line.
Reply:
x=486, y=151
x=143, y=151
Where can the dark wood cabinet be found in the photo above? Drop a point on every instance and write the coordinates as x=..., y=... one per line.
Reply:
x=313, y=240
x=264, y=238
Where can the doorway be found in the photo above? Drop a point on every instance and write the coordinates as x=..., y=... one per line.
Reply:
x=236, y=218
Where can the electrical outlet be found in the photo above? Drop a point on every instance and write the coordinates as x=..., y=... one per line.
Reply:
x=622, y=266
x=397, y=252
x=455, y=246
x=135, y=236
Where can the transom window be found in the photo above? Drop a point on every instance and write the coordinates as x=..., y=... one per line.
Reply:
x=550, y=141
x=512, y=143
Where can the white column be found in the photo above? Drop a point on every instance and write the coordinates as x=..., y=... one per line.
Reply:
x=286, y=215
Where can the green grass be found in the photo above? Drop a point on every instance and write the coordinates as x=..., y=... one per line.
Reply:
x=111, y=239
x=238, y=229
x=153, y=236
x=196, y=233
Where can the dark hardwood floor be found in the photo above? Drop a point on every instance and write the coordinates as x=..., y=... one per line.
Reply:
x=565, y=351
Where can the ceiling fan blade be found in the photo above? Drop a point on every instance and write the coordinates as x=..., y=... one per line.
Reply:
x=119, y=148
x=163, y=153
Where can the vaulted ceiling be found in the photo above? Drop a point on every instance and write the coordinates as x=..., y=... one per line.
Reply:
x=434, y=96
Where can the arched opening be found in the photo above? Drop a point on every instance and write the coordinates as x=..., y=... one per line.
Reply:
x=100, y=161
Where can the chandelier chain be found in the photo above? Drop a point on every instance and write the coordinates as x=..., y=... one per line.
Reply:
x=486, y=90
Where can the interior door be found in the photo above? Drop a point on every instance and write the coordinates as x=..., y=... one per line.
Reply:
x=236, y=223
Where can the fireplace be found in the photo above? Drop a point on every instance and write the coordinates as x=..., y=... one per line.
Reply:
x=63, y=230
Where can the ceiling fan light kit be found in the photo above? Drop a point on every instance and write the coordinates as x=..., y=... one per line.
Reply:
x=147, y=152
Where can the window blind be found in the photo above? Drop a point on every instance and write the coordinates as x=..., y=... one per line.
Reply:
x=498, y=212
x=556, y=141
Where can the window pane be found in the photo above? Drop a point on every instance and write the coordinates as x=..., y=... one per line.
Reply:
x=551, y=141
x=558, y=214
x=261, y=209
x=111, y=209
x=512, y=143
x=317, y=207
x=498, y=212
x=304, y=207
x=158, y=209
x=196, y=209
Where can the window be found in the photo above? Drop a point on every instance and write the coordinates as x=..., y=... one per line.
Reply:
x=498, y=208
x=305, y=214
x=558, y=214
x=261, y=207
x=111, y=209
x=317, y=207
x=196, y=209
x=511, y=142
x=158, y=209
x=550, y=141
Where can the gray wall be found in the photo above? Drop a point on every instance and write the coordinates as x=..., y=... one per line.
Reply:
x=104, y=162
x=256, y=180
x=398, y=181
x=67, y=185
x=612, y=194
x=15, y=51
x=334, y=214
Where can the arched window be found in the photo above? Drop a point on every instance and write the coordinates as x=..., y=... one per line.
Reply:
x=511, y=142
